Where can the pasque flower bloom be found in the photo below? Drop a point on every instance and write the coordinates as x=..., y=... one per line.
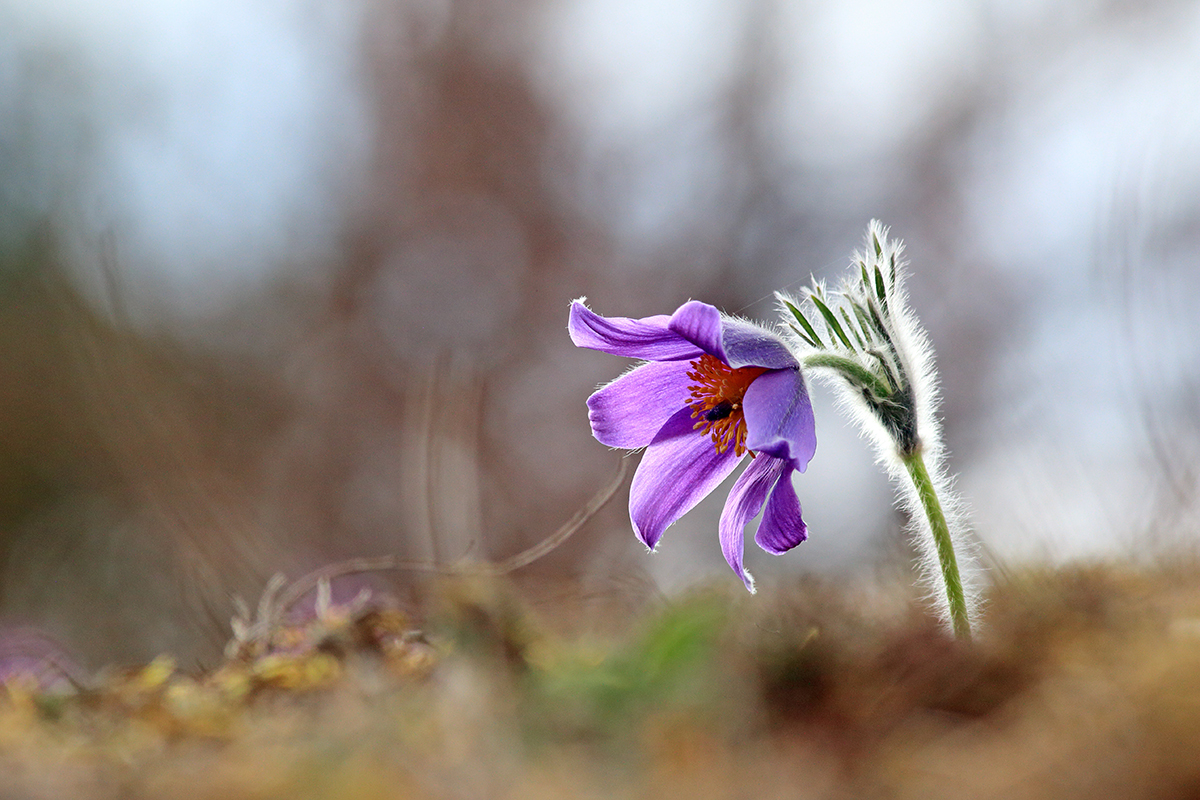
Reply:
x=712, y=388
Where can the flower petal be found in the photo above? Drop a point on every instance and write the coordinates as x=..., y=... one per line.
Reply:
x=779, y=418
x=680, y=467
x=647, y=338
x=702, y=325
x=748, y=345
x=744, y=502
x=782, y=527
x=630, y=411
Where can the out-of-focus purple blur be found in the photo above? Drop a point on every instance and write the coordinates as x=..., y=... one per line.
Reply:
x=286, y=282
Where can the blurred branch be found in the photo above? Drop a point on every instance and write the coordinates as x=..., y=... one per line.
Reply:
x=270, y=610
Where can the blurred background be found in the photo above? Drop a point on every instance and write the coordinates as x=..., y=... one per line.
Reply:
x=286, y=281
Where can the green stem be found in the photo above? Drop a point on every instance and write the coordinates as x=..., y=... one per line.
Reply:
x=941, y=538
x=853, y=371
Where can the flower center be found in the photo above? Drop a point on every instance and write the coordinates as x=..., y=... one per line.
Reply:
x=717, y=401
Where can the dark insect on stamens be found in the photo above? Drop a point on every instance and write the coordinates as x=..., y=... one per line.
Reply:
x=716, y=401
x=720, y=411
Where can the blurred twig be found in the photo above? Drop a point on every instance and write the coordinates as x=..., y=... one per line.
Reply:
x=277, y=598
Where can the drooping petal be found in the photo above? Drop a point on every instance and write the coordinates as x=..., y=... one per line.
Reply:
x=782, y=527
x=630, y=411
x=702, y=325
x=680, y=467
x=648, y=338
x=748, y=345
x=744, y=502
x=779, y=418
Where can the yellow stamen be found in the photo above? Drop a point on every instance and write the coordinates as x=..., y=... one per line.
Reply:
x=717, y=401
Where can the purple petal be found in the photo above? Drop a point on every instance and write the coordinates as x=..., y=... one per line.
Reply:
x=648, y=338
x=782, y=527
x=748, y=345
x=630, y=411
x=744, y=502
x=779, y=418
x=680, y=467
x=702, y=325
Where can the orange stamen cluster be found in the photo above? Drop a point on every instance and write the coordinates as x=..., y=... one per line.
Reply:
x=717, y=401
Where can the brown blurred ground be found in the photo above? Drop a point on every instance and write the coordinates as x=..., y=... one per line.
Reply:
x=1082, y=683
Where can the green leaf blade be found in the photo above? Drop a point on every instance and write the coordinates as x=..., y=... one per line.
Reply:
x=852, y=328
x=812, y=337
x=832, y=321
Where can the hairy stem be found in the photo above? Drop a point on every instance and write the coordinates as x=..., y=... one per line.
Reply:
x=852, y=371
x=915, y=463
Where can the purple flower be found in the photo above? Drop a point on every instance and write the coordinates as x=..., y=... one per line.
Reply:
x=712, y=389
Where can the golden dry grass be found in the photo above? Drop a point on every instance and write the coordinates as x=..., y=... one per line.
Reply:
x=1084, y=682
